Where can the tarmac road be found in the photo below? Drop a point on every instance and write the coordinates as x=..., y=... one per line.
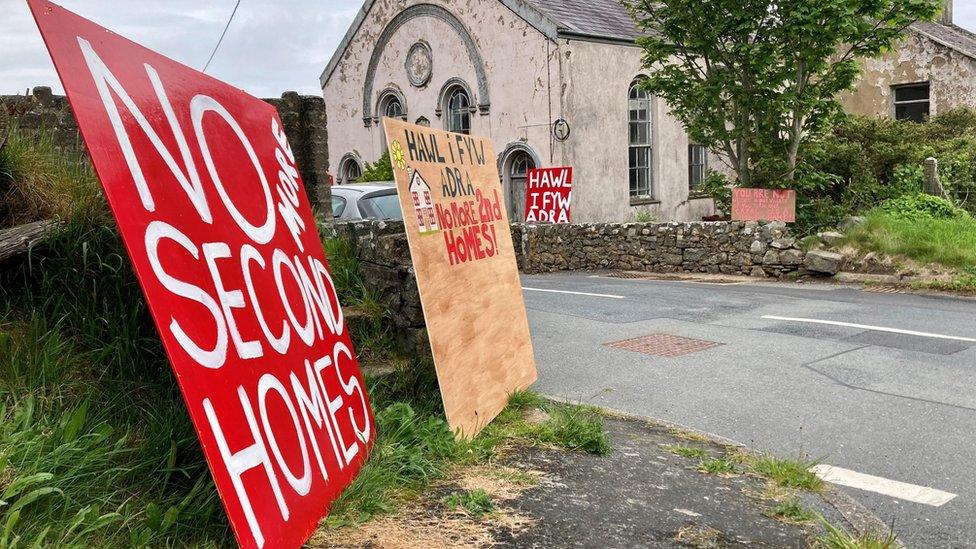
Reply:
x=881, y=386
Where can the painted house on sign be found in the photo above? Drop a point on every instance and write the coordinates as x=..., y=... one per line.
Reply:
x=423, y=205
x=509, y=69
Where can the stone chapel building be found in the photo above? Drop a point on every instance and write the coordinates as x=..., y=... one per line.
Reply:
x=511, y=69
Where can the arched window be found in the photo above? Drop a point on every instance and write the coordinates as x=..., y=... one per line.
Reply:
x=641, y=142
x=423, y=121
x=350, y=170
x=458, y=111
x=393, y=107
x=391, y=104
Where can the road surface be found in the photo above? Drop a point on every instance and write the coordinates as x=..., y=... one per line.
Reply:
x=880, y=387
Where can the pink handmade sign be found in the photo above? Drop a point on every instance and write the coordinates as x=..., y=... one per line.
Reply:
x=763, y=205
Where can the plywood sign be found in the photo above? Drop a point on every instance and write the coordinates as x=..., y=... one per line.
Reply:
x=464, y=260
x=210, y=206
x=763, y=205
x=548, y=194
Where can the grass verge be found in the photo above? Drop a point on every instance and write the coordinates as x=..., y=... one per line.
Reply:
x=948, y=242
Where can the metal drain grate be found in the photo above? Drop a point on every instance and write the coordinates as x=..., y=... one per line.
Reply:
x=663, y=345
x=681, y=277
x=884, y=289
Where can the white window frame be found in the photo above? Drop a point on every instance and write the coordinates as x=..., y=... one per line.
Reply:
x=640, y=140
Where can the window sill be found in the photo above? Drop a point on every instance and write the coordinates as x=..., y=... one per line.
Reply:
x=698, y=196
x=644, y=201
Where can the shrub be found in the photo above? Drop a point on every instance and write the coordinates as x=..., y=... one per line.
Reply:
x=920, y=206
x=865, y=161
x=381, y=170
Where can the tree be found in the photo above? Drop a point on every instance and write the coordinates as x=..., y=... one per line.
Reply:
x=754, y=79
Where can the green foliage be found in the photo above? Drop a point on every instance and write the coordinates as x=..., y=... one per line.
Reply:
x=863, y=162
x=381, y=170
x=344, y=268
x=576, y=428
x=411, y=450
x=41, y=181
x=788, y=473
x=644, y=216
x=719, y=189
x=755, y=79
x=95, y=443
x=96, y=447
x=949, y=242
x=792, y=510
x=718, y=466
x=920, y=206
x=836, y=538
x=476, y=502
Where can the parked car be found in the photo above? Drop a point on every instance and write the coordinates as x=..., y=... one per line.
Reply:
x=366, y=201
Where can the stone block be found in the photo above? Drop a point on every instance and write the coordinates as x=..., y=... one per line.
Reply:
x=823, y=262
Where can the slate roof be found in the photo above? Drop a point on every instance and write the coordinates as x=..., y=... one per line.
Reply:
x=951, y=36
x=594, y=18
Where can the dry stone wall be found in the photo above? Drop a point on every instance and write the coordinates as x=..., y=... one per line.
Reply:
x=732, y=248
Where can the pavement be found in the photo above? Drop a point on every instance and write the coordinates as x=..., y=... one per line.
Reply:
x=878, y=386
x=643, y=496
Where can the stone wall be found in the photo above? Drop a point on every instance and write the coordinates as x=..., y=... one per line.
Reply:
x=302, y=116
x=756, y=249
x=732, y=248
x=384, y=260
x=41, y=110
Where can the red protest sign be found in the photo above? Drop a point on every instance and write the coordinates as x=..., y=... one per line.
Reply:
x=548, y=193
x=763, y=205
x=205, y=190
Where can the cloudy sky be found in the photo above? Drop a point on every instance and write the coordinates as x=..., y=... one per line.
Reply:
x=272, y=45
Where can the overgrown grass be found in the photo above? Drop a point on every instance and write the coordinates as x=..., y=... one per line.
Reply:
x=39, y=181
x=948, y=242
x=96, y=446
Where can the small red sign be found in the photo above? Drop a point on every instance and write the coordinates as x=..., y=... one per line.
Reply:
x=548, y=193
x=763, y=205
x=210, y=206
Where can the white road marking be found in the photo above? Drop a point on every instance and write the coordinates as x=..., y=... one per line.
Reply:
x=572, y=293
x=872, y=328
x=883, y=486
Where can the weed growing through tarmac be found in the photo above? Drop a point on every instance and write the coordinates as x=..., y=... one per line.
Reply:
x=718, y=467
x=476, y=502
x=686, y=451
x=789, y=473
x=791, y=510
x=836, y=538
